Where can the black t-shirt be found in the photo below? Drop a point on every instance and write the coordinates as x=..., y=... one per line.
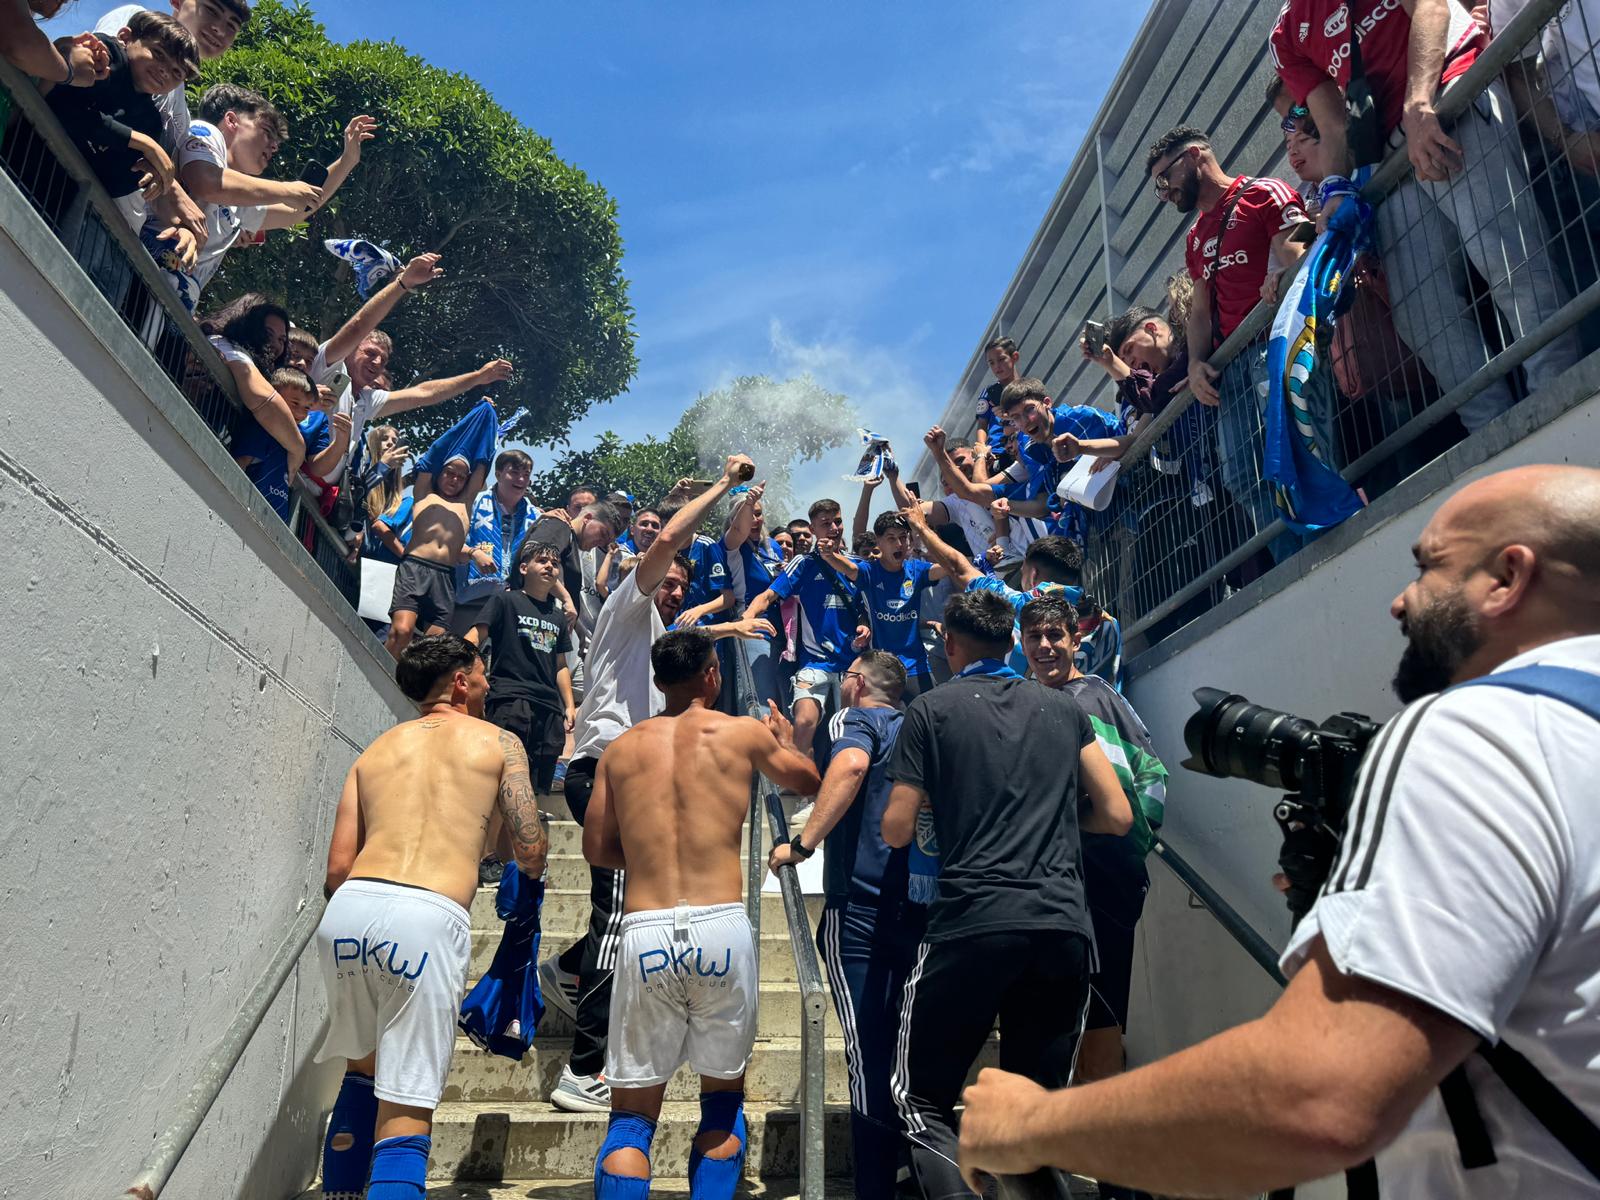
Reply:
x=98, y=119
x=528, y=637
x=998, y=758
x=553, y=531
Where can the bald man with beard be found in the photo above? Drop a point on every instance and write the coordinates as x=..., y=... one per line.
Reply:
x=1457, y=936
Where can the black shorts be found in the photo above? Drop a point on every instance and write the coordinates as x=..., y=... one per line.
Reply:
x=425, y=588
x=1115, y=884
x=542, y=730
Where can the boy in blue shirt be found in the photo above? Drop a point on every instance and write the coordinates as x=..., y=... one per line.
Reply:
x=892, y=585
x=265, y=462
x=831, y=618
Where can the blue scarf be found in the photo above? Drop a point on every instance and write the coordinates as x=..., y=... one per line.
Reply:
x=990, y=668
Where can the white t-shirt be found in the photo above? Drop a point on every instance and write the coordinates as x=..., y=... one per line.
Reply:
x=1568, y=63
x=620, y=689
x=225, y=223
x=974, y=520
x=361, y=408
x=230, y=352
x=1470, y=880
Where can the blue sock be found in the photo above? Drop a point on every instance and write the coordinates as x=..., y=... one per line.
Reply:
x=347, y=1150
x=625, y=1131
x=399, y=1168
x=716, y=1178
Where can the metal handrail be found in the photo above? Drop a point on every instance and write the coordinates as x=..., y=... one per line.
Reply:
x=808, y=968
x=1504, y=49
x=173, y=1141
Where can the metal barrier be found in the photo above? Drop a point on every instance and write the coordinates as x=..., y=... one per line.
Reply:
x=41, y=160
x=1496, y=269
x=808, y=969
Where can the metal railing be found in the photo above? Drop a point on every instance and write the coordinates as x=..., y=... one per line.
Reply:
x=38, y=156
x=808, y=968
x=1496, y=269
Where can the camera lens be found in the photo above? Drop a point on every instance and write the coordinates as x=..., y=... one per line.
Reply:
x=1230, y=737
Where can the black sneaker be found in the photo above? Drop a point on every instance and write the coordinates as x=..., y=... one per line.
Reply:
x=489, y=872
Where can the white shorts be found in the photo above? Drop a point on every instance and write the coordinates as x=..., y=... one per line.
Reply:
x=684, y=992
x=394, y=964
x=817, y=683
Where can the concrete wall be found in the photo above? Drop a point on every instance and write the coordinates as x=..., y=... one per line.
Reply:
x=1105, y=242
x=184, y=693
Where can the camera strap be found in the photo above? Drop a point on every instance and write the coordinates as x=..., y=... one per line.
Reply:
x=1222, y=235
x=853, y=604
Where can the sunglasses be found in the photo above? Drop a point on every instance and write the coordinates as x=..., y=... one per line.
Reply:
x=1292, y=118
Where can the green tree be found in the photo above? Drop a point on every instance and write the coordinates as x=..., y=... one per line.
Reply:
x=531, y=249
x=646, y=469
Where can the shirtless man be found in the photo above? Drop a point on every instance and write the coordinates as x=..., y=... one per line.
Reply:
x=670, y=796
x=395, y=940
x=425, y=581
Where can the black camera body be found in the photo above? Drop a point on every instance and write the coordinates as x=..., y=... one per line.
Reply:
x=1316, y=766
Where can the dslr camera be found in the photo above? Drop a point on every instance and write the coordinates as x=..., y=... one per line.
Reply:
x=1315, y=766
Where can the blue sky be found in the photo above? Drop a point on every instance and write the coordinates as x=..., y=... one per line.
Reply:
x=840, y=189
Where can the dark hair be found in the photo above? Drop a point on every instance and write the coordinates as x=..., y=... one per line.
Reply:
x=1178, y=135
x=885, y=672
x=797, y=521
x=982, y=619
x=607, y=514
x=680, y=656
x=300, y=336
x=890, y=520
x=1018, y=390
x=224, y=98
x=863, y=545
x=1123, y=325
x=1001, y=343
x=243, y=321
x=652, y=509
x=685, y=564
x=511, y=456
x=822, y=508
x=1274, y=88
x=164, y=33
x=427, y=660
x=1052, y=608
x=777, y=529
x=293, y=377
x=584, y=487
x=532, y=547
x=1057, y=559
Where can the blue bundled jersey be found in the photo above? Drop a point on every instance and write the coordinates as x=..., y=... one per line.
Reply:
x=859, y=866
x=710, y=575
x=827, y=618
x=503, y=1010
x=894, y=602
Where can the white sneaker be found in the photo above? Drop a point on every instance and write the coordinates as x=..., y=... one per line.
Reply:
x=560, y=990
x=581, y=1093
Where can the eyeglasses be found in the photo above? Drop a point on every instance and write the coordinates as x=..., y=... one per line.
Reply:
x=855, y=675
x=1163, y=184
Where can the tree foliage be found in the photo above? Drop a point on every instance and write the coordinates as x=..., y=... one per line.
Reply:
x=779, y=424
x=531, y=249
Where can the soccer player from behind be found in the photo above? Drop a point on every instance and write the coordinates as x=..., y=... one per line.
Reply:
x=1114, y=877
x=396, y=939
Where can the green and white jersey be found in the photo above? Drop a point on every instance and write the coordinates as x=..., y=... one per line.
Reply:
x=1126, y=742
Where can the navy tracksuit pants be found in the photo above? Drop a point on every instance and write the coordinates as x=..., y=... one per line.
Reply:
x=868, y=951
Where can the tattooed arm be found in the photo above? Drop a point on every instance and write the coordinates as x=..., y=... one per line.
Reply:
x=530, y=843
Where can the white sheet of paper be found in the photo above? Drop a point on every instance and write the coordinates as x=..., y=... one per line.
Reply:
x=377, y=589
x=810, y=873
x=1091, y=491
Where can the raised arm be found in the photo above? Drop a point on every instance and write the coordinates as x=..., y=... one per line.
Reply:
x=858, y=526
x=652, y=568
x=435, y=391
x=349, y=832
x=211, y=184
x=954, y=481
x=955, y=564
x=67, y=60
x=360, y=129
x=602, y=836
x=420, y=271
x=741, y=524
x=530, y=842
x=777, y=757
x=1109, y=810
x=332, y=454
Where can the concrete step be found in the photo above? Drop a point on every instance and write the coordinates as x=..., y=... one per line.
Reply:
x=583, y=1189
x=779, y=1015
x=777, y=953
x=774, y=1076
x=534, y=1141
x=566, y=910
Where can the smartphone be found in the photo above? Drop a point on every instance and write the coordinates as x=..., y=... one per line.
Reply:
x=1094, y=333
x=316, y=174
x=337, y=383
x=914, y=489
x=698, y=487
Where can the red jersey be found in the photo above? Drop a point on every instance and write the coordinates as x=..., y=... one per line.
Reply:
x=1311, y=42
x=1239, y=256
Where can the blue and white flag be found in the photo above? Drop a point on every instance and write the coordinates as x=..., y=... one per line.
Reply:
x=509, y=424
x=876, y=459
x=1307, y=489
x=374, y=266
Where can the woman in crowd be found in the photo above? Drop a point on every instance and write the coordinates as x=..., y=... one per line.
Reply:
x=251, y=334
x=389, y=500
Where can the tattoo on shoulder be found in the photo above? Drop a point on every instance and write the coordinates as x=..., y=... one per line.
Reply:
x=520, y=805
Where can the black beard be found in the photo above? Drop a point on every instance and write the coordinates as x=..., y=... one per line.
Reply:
x=1438, y=640
x=1188, y=195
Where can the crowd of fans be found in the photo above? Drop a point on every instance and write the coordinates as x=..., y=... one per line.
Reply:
x=832, y=623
